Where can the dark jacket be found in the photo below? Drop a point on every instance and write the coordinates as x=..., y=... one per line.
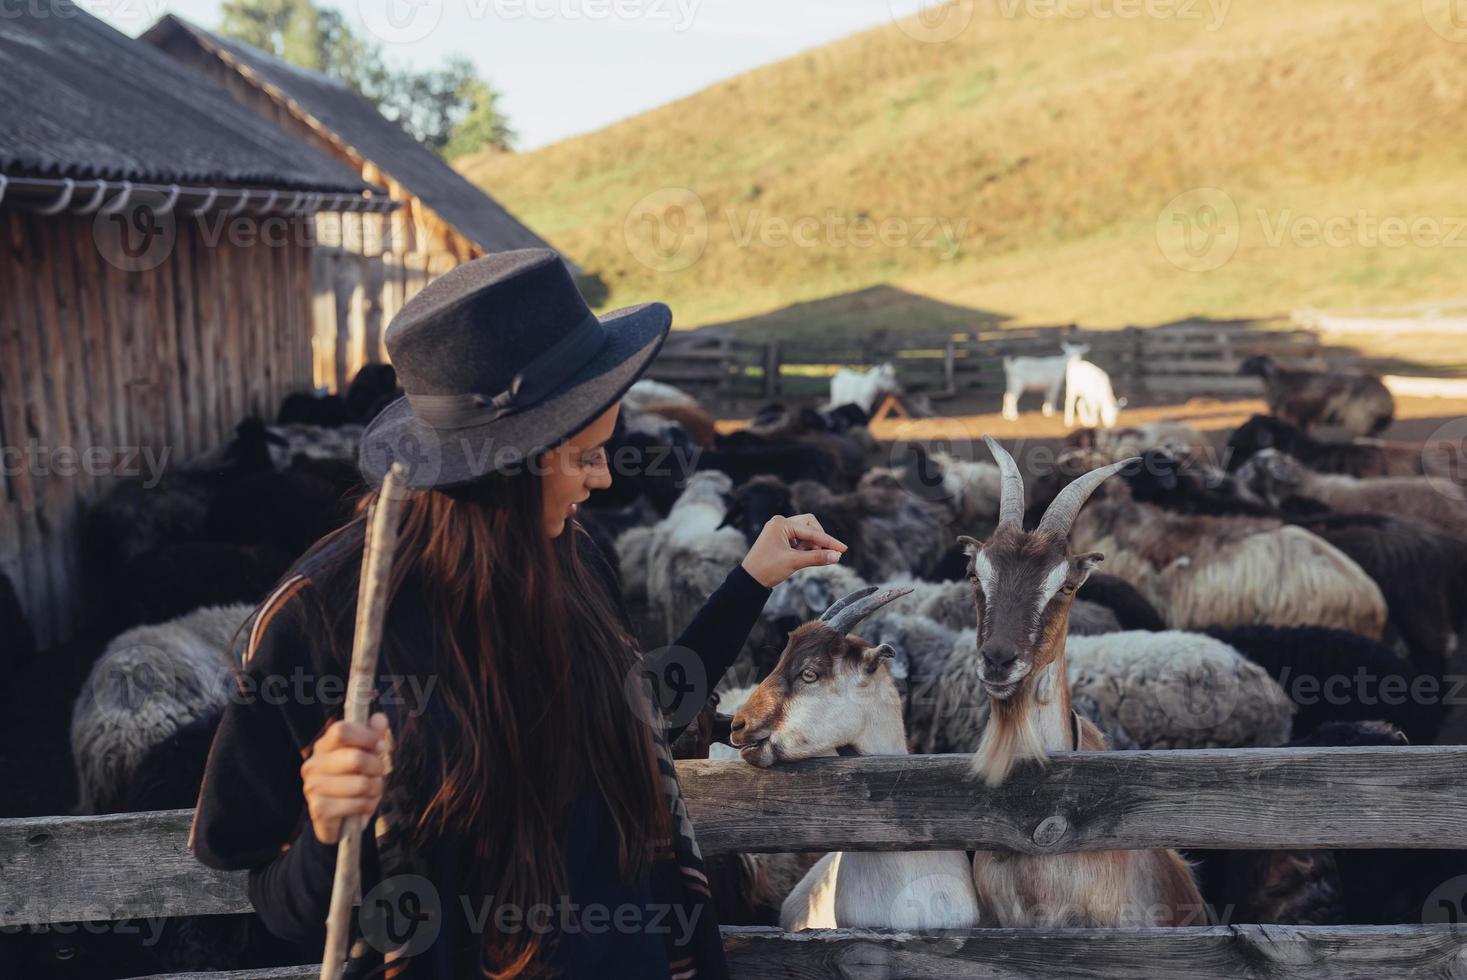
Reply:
x=252, y=816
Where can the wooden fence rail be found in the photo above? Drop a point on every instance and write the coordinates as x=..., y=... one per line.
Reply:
x=68, y=869
x=1200, y=358
x=1214, y=953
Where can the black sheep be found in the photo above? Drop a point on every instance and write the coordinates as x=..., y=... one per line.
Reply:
x=1132, y=609
x=289, y=510
x=175, y=579
x=17, y=641
x=1337, y=676
x=308, y=408
x=1357, y=458
x=373, y=389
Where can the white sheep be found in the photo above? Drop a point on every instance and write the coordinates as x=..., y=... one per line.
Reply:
x=1047, y=374
x=149, y=682
x=1088, y=395
x=862, y=388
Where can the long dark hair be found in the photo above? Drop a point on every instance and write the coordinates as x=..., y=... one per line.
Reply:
x=528, y=710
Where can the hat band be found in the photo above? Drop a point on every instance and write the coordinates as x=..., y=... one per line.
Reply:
x=532, y=384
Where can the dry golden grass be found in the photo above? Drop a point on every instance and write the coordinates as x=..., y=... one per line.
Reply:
x=1055, y=145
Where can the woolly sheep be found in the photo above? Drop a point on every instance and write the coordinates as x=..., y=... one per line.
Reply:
x=1169, y=690
x=1228, y=571
x=148, y=683
x=689, y=555
x=1277, y=476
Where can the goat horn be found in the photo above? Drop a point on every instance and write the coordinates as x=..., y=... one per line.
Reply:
x=1060, y=516
x=1011, y=500
x=844, y=601
x=865, y=603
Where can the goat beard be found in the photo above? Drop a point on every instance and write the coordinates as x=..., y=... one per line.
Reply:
x=1011, y=735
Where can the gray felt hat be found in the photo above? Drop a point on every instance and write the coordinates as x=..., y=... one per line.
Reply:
x=502, y=359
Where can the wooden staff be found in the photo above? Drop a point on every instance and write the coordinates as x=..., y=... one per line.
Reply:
x=360, y=686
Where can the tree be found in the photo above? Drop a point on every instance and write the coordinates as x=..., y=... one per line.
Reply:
x=451, y=110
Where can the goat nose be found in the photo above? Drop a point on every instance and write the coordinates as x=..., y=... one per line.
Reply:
x=737, y=725
x=999, y=659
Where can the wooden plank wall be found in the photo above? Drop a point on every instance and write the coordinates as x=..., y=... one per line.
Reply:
x=99, y=365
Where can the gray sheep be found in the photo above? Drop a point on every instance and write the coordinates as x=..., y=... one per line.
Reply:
x=148, y=683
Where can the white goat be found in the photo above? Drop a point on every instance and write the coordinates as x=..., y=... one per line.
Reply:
x=830, y=692
x=1047, y=374
x=1089, y=396
x=148, y=683
x=849, y=387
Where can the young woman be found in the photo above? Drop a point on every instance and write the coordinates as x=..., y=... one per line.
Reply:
x=528, y=819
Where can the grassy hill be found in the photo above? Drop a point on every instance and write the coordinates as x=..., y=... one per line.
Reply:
x=1026, y=171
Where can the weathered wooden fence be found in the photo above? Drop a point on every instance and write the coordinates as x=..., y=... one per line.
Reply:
x=1200, y=359
x=70, y=869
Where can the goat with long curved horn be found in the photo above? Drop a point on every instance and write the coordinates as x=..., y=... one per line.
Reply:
x=1061, y=514
x=844, y=614
x=1011, y=499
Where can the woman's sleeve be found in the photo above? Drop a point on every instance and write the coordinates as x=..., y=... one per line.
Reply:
x=715, y=636
x=251, y=814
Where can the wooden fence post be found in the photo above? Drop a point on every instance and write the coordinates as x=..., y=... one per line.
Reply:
x=771, y=369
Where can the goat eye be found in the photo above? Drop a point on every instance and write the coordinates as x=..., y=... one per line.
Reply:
x=1067, y=589
x=809, y=676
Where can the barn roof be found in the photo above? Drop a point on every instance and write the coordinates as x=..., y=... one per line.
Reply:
x=352, y=122
x=82, y=100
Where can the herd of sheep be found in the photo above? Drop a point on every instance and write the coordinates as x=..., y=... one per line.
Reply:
x=1230, y=597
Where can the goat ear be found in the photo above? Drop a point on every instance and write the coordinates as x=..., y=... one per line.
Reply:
x=871, y=657
x=971, y=546
x=1085, y=564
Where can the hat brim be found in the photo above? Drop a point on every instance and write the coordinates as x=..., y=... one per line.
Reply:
x=450, y=457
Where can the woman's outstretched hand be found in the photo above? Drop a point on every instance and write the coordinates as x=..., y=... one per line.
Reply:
x=344, y=775
x=788, y=544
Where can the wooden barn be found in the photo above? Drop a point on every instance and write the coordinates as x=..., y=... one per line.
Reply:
x=155, y=278
x=365, y=266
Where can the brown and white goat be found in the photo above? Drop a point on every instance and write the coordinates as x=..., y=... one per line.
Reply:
x=1024, y=583
x=833, y=694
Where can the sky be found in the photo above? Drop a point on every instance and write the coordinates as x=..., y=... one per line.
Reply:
x=572, y=66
